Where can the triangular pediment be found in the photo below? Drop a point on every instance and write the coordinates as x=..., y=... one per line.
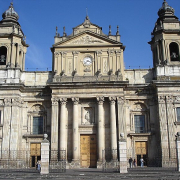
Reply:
x=87, y=38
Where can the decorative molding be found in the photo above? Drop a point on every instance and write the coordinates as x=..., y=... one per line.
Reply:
x=37, y=108
x=177, y=99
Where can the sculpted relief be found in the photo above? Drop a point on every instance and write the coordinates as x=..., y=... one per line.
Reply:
x=86, y=40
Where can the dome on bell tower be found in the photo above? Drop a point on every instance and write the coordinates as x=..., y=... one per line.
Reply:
x=165, y=9
x=10, y=13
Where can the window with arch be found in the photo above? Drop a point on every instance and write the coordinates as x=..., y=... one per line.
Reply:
x=174, y=51
x=37, y=120
x=3, y=55
x=139, y=118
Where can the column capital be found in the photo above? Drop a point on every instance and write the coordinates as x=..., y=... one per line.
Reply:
x=112, y=100
x=75, y=100
x=7, y=101
x=17, y=102
x=169, y=99
x=63, y=101
x=54, y=101
x=121, y=100
x=100, y=99
x=75, y=53
x=161, y=99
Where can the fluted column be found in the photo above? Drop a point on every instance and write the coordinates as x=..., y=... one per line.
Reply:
x=63, y=125
x=113, y=130
x=54, y=124
x=101, y=135
x=75, y=129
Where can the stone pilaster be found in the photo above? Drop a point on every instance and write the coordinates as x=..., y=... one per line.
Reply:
x=14, y=126
x=75, y=133
x=121, y=116
x=101, y=130
x=113, y=130
x=63, y=125
x=171, y=128
x=163, y=129
x=6, y=124
x=54, y=124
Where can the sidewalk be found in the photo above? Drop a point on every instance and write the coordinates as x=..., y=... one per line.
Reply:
x=146, y=173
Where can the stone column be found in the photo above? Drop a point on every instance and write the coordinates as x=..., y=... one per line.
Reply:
x=113, y=128
x=75, y=130
x=63, y=125
x=54, y=124
x=45, y=155
x=101, y=132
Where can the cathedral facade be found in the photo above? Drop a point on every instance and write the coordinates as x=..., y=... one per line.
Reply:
x=89, y=102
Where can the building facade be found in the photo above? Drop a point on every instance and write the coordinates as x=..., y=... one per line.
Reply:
x=89, y=101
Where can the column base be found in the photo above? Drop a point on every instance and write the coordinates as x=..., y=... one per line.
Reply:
x=99, y=164
x=75, y=164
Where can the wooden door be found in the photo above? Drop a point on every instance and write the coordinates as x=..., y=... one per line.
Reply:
x=35, y=154
x=88, y=151
x=141, y=152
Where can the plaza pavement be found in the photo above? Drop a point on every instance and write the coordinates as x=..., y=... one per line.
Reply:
x=146, y=173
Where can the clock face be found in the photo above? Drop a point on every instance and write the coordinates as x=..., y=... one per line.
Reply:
x=87, y=61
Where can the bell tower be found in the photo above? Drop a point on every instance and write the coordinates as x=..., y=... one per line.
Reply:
x=12, y=41
x=165, y=43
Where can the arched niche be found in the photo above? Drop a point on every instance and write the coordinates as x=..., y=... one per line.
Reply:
x=3, y=55
x=174, y=51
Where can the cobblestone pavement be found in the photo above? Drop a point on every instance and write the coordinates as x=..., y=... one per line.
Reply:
x=97, y=174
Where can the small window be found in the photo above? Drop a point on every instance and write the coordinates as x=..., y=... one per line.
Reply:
x=3, y=55
x=178, y=114
x=139, y=122
x=174, y=51
x=38, y=125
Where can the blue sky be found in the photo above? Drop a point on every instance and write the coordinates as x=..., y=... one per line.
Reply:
x=136, y=20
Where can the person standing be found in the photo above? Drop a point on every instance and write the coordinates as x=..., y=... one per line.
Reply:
x=142, y=162
x=130, y=162
x=134, y=162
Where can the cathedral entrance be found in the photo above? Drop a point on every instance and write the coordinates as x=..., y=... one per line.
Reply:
x=88, y=147
x=35, y=154
x=141, y=152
